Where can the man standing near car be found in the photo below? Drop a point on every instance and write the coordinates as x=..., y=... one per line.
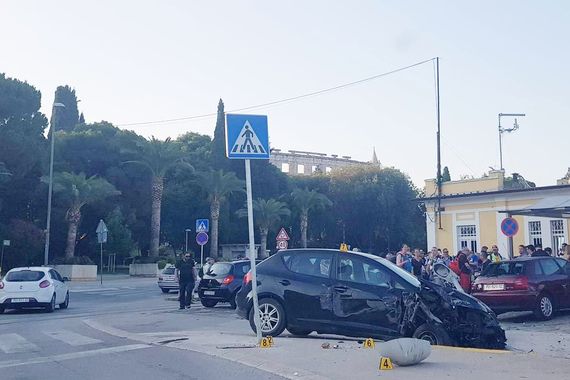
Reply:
x=185, y=276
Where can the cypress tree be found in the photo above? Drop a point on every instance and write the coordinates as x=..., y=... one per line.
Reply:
x=219, y=159
x=68, y=117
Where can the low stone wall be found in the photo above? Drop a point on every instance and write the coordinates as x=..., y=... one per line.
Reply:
x=78, y=272
x=143, y=270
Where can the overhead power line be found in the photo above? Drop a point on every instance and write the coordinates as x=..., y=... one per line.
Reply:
x=285, y=100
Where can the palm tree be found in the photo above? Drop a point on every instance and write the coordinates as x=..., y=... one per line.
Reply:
x=305, y=200
x=79, y=190
x=158, y=157
x=219, y=185
x=266, y=215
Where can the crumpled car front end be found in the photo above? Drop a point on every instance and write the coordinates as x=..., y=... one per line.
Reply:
x=468, y=321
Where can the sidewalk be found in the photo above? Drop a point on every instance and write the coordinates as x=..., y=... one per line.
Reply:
x=304, y=358
x=111, y=281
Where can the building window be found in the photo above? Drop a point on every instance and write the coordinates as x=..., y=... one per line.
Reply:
x=535, y=233
x=300, y=169
x=285, y=167
x=314, y=168
x=558, y=235
x=467, y=237
x=328, y=169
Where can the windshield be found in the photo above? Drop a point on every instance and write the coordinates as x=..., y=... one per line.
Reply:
x=505, y=269
x=219, y=269
x=168, y=271
x=25, y=276
x=407, y=276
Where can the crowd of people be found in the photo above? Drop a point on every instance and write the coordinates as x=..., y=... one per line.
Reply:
x=465, y=263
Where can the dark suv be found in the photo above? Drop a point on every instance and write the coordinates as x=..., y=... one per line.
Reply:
x=221, y=282
x=538, y=284
x=362, y=295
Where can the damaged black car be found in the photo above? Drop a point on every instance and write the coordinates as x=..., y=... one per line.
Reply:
x=361, y=295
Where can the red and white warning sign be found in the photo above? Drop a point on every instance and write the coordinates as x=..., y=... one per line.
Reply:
x=282, y=235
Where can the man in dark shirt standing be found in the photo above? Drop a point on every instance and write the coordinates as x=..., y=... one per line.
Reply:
x=186, y=280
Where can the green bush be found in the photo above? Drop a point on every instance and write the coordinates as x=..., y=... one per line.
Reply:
x=161, y=264
x=77, y=260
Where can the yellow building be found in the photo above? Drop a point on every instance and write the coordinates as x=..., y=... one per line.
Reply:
x=472, y=211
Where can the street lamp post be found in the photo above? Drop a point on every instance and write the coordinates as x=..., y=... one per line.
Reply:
x=187, y=230
x=50, y=186
x=508, y=130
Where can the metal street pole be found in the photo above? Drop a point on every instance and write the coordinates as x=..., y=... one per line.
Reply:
x=101, y=263
x=252, y=255
x=2, y=260
x=50, y=186
x=186, y=250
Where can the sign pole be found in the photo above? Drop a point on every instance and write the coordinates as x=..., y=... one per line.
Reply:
x=2, y=259
x=201, y=256
x=252, y=255
x=101, y=263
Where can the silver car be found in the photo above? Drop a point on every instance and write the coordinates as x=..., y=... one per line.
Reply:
x=167, y=280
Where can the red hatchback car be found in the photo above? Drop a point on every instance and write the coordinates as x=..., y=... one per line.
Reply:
x=537, y=284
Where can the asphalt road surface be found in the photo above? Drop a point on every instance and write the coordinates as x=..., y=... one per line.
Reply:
x=64, y=345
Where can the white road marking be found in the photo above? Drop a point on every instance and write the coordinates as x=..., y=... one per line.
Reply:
x=71, y=356
x=92, y=290
x=14, y=343
x=71, y=338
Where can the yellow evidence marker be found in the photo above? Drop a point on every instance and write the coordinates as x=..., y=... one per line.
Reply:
x=270, y=339
x=344, y=247
x=385, y=364
x=265, y=343
x=369, y=343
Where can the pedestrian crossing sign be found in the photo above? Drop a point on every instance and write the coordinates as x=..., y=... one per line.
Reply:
x=247, y=137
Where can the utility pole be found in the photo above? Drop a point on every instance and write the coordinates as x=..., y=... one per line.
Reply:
x=50, y=186
x=508, y=130
x=438, y=212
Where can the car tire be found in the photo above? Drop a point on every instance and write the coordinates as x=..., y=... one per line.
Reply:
x=165, y=290
x=273, y=319
x=232, y=301
x=435, y=334
x=208, y=303
x=1, y=310
x=51, y=306
x=298, y=332
x=65, y=303
x=544, y=307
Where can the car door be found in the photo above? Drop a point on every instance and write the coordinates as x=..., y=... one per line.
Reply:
x=366, y=298
x=553, y=280
x=565, y=271
x=58, y=285
x=306, y=289
x=64, y=288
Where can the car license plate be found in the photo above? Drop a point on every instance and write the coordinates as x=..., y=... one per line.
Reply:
x=19, y=300
x=209, y=292
x=494, y=287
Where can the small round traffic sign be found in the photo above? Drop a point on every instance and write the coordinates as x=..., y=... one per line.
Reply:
x=282, y=244
x=509, y=227
x=201, y=238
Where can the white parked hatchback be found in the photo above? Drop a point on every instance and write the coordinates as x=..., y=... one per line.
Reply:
x=33, y=287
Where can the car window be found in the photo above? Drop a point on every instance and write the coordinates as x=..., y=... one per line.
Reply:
x=509, y=268
x=537, y=269
x=54, y=275
x=25, y=276
x=169, y=270
x=219, y=269
x=310, y=263
x=59, y=277
x=243, y=269
x=564, y=264
x=549, y=267
x=356, y=269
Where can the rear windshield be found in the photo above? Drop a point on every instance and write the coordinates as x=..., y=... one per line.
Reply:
x=219, y=269
x=506, y=269
x=168, y=271
x=25, y=276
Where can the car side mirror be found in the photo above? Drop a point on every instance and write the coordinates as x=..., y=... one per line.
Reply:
x=65, y=279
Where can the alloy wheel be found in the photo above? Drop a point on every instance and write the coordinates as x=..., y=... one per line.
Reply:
x=269, y=317
x=546, y=306
x=430, y=337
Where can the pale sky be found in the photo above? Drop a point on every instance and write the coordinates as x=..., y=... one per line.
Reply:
x=142, y=60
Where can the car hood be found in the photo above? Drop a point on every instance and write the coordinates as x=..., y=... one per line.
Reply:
x=452, y=297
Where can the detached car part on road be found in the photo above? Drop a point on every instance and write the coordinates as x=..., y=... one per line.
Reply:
x=33, y=287
x=362, y=295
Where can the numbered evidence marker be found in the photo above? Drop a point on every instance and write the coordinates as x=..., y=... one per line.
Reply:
x=265, y=343
x=270, y=339
x=369, y=343
x=385, y=364
x=344, y=247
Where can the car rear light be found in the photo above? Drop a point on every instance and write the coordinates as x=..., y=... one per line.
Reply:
x=229, y=278
x=521, y=283
x=44, y=284
x=1, y=285
x=247, y=278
